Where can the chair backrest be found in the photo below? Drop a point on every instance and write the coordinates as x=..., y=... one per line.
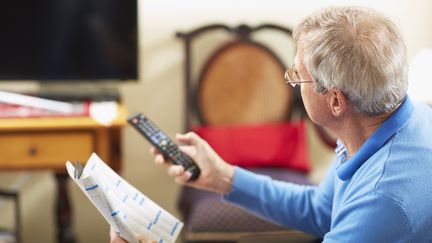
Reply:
x=237, y=100
x=235, y=76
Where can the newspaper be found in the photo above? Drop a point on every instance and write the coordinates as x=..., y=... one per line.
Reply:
x=127, y=210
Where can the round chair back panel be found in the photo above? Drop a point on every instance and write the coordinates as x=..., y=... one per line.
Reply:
x=242, y=83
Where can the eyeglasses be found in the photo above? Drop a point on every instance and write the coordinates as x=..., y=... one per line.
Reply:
x=292, y=78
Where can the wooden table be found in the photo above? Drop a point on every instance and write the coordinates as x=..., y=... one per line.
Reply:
x=47, y=143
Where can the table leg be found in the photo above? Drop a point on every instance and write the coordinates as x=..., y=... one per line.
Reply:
x=65, y=232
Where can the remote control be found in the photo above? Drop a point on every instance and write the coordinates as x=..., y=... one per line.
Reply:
x=162, y=142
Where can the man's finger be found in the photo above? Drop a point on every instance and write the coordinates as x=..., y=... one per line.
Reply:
x=175, y=170
x=188, y=150
x=189, y=138
x=154, y=151
x=159, y=159
x=114, y=238
x=143, y=239
x=183, y=178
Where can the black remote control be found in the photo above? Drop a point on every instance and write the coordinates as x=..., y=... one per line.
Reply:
x=162, y=142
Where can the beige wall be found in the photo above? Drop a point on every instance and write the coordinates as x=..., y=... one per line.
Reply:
x=158, y=94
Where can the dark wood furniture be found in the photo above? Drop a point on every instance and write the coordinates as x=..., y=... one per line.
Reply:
x=234, y=76
x=15, y=233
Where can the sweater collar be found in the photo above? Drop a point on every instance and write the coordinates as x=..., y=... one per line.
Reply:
x=391, y=126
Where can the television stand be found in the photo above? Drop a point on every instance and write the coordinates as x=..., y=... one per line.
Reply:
x=79, y=92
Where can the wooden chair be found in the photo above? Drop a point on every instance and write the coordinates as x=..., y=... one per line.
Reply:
x=233, y=77
x=12, y=234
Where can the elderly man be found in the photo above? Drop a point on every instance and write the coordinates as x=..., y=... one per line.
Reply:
x=351, y=67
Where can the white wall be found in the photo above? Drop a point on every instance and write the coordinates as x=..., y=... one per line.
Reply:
x=158, y=92
x=161, y=54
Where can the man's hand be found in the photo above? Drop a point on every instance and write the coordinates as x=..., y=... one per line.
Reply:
x=114, y=238
x=216, y=175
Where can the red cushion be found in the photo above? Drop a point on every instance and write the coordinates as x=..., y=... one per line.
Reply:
x=270, y=145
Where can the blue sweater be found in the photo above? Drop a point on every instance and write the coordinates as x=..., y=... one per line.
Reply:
x=382, y=194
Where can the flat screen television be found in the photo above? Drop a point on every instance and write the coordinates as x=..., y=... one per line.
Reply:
x=68, y=40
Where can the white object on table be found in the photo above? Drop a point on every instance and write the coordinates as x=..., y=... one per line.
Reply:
x=41, y=103
x=103, y=112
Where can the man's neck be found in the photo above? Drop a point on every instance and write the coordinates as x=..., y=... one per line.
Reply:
x=356, y=129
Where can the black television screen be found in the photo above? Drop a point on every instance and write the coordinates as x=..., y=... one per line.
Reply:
x=68, y=39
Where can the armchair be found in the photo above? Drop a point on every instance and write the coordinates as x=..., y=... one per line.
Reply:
x=237, y=100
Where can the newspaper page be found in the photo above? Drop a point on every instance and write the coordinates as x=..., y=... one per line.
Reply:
x=127, y=210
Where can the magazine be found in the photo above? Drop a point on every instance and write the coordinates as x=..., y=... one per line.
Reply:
x=129, y=212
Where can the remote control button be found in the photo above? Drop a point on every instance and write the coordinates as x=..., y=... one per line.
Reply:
x=163, y=143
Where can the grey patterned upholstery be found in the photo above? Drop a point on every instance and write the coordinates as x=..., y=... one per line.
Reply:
x=207, y=216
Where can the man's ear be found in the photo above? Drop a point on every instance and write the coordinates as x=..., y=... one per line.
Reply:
x=338, y=102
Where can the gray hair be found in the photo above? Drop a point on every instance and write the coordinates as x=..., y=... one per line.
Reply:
x=358, y=51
